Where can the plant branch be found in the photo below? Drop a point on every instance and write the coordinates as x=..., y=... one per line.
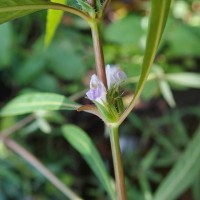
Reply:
x=11, y=144
x=98, y=51
x=17, y=126
x=117, y=162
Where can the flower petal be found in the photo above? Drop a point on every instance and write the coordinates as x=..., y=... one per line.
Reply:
x=97, y=90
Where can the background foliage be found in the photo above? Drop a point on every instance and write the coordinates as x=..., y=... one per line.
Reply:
x=153, y=138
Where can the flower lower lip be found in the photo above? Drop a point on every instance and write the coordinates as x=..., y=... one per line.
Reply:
x=97, y=90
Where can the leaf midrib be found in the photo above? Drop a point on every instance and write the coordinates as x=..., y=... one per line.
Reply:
x=44, y=6
x=46, y=103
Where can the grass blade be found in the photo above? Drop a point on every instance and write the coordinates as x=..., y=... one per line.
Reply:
x=183, y=174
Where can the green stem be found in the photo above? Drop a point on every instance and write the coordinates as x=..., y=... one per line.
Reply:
x=98, y=51
x=117, y=162
x=5, y=133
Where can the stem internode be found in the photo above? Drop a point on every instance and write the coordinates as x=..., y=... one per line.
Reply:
x=117, y=162
x=98, y=51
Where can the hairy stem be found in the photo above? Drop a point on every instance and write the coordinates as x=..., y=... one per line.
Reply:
x=11, y=144
x=117, y=162
x=98, y=51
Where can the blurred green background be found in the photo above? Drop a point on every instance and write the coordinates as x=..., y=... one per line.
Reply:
x=152, y=138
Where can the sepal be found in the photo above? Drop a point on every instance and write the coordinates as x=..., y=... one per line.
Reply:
x=108, y=112
x=86, y=7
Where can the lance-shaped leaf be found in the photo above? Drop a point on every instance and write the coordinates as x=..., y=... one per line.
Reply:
x=187, y=79
x=11, y=9
x=29, y=103
x=157, y=22
x=53, y=20
x=84, y=145
x=167, y=93
x=158, y=18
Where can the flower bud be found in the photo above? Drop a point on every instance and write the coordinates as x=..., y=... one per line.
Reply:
x=114, y=76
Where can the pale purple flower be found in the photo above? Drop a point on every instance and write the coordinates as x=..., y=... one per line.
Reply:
x=97, y=90
x=114, y=76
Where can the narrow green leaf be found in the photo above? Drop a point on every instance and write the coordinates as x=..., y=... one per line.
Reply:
x=11, y=9
x=53, y=20
x=183, y=174
x=180, y=130
x=167, y=93
x=158, y=18
x=164, y=86
x=145, y=186
x=29, y=103
x=157, y=22
x=149, y=159
x=186, y=79
x=84, y=145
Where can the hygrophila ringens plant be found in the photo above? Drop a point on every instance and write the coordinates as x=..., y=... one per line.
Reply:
x=105, y=86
